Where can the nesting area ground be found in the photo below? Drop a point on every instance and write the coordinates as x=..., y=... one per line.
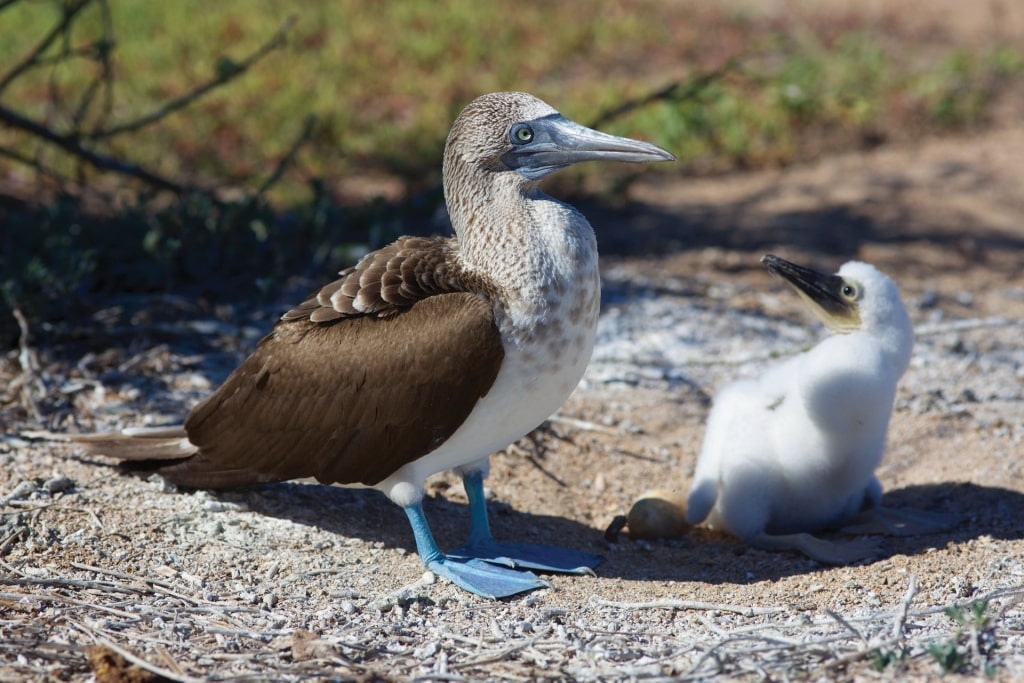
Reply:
x=113, y=578
x=298, y=581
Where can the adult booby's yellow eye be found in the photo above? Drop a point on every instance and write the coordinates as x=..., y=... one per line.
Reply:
x=521, y=134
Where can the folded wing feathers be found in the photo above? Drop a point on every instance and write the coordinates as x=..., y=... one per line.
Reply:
x=383, y=282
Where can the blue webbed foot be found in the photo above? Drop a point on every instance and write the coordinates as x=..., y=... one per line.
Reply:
x=482, y=545
x=481, y=578
x=542, y=558
x=484, y=579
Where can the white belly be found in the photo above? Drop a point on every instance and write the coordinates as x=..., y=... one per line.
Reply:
x=534, y=381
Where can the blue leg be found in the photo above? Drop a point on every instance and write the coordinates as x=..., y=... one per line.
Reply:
x=482, y=545
x=485, y=580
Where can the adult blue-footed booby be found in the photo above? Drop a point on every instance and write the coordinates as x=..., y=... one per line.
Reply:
x=427, y=355
x=795, y=450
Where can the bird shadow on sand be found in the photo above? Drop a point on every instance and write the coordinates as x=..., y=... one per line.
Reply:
x=368, y=515
x=705, y=556
x=700, y=556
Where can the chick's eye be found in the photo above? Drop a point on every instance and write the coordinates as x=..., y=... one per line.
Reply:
x=521, y=134
x=849, y=291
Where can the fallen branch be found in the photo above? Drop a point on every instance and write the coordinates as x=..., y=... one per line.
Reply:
x=131, y=658
x=29, y=380
x=584, y=425
x=686, y=605
x=901, y=615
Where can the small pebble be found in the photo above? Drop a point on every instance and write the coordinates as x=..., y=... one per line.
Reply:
x=59, y=483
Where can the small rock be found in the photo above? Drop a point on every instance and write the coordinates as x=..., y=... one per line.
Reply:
x=58, y=483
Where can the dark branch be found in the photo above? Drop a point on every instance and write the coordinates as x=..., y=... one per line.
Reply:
x=103, y=82
x=30, y=60
x=675, y=92
x=34, y=164
x=224, y=75
x=286, y=160
x=102, y=162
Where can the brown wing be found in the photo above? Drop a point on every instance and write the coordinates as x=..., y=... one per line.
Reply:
x=372, y=371
x=346, y=401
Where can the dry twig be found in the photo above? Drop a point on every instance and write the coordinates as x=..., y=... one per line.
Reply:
x=29, y=381
x=686, y=605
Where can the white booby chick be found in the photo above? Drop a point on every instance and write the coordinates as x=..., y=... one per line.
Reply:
x=795, y=450
x=429, y=354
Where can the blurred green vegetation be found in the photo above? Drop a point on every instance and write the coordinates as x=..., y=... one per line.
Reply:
x=385, y=81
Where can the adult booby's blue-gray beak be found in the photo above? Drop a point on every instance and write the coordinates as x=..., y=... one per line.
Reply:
x=549, y=143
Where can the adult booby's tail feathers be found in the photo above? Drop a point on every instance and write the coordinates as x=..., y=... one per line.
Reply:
x=143, y=443
x=168, y=452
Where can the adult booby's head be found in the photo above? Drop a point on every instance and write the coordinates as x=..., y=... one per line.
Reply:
x=513, y=140
x=857, y=298
x=515, y=131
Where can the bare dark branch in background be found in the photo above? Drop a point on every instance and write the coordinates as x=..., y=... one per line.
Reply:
x=33, y=57
x=71, y=145
x=679, y=91
x=82, y=141
x=304, y=135
x=100, y=51
x=227, y=71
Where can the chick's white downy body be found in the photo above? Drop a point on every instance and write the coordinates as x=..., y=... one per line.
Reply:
x=800, y=444
x=795, y=450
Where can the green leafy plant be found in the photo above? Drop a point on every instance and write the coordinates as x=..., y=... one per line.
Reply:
x=972, y=645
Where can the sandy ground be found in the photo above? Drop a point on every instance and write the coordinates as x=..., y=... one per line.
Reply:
x=113, y=578
x=297, y=581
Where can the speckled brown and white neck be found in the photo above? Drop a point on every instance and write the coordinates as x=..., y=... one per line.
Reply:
x=539, y=254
